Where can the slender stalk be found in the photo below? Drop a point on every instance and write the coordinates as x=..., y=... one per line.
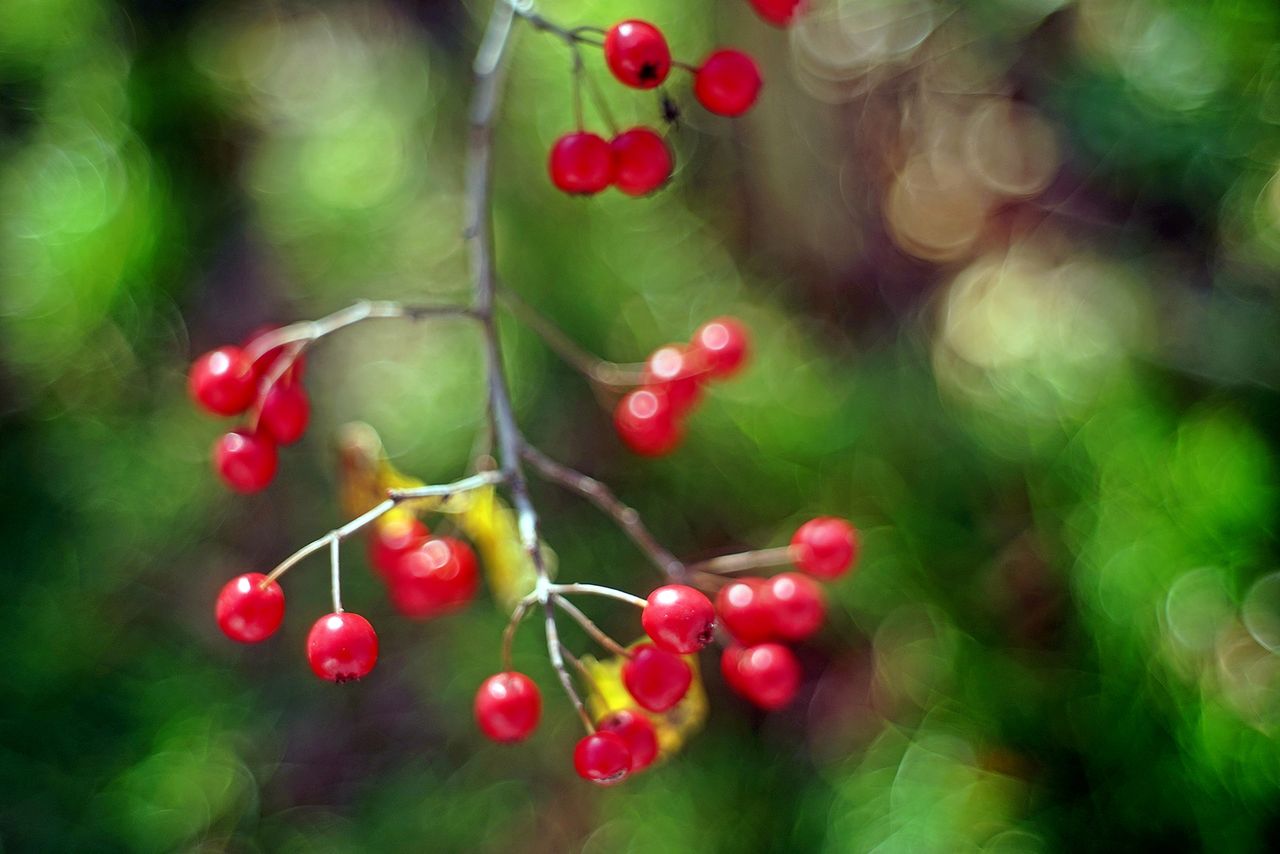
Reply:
x=744, y=561
x=560, y=590
x=509, y=633
x=602, y=497
x=597, y=634
x=599, y=371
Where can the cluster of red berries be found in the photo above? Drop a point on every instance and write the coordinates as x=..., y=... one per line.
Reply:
x=426, y=575
x=227, y=382
x=649, y=420
x=763, y=614
x=638, y=161
x=679, y=621
x=340, y=647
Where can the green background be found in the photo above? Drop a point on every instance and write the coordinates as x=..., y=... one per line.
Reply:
x=1041, y=380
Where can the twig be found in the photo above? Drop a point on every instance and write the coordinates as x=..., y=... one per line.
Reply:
x=612, y=375
x=761, y=559
x=560, y=590
x=509, y=633
x=602, y=497
x=596, y=633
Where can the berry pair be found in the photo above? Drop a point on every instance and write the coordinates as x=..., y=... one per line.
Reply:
x=426, y=575
x=649, y=420
x=787, y=607
x=340, y=647
x=637, y=162
x=227, y=382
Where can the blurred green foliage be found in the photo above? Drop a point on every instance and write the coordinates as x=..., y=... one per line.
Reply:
x=1059, y=438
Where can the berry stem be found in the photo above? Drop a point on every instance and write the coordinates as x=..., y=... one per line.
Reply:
x=561, y=590
x=743, y=561
x=582, y=671
x=555, y=653
x=335, y=573
x=603, y=498
x=509, y=633
x=597, y=634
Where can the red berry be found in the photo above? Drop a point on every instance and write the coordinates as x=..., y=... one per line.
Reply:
x=436, y=577
x=825, y=547
x=721, y=346
x=222, y=381
x=646, y=422
x=245, y=461
x=767, y=674
x=655, y=678
x=342, y=647
x=638, y=733
x=641, y=161
x=392, y=539
x=795, y=605
x=247, y=611
x=741, y=608
x=672, y=370
x=777, y=12
x=581, y=163
x=727, y=83
x=679, y=619
x=729, y=666
x=508, y=706
x=285, y=412
x=263, y=364
x=602, y=758
x=637, y=54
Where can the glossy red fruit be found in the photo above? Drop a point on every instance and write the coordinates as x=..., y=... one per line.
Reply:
x=637, y=54
x=795, y=605
x=742, y=611
x=656, y=679
x=727, y=83
x=638, y=733
x=508, y=707
x=222, y=381
x=392, y=539
x=721, y=345
x=245, y=461
x=778, y=12
x=342, y=647
x=641, y=161
x=729, y=666
x=679, y=376
x=646, y=422
x=285, y=412
x=581, y=163
x=767, y=674
x=678, y=619
x=602, y=758
x=436, y=577
x=248, y=611
x=825, y=547
x=263, y=364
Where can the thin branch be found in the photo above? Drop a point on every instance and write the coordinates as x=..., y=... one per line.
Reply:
x=612, y=375
x=308, y=331
x=554, y=649
x=744, y=561
x=509, y=633
x=560, y=590
x=602, y=497
x=592, y=685
x=597, y=634
x=335, y=574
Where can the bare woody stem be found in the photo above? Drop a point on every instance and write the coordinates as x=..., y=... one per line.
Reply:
x=602, y=497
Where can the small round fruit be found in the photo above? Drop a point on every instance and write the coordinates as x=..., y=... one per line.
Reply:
x=342, y=647
x=678, y=619
x=435, y=578
x=245, y=461
x=602, y=758
x=646, y=422
x=656, y=679
x=777, y=12
x=508, y=707
x=825, y=547
x=677, y=374
x=222, y=381
x=638, y=733
x=729, y=666
x=742, y=611
x=795, y=605
x=394, y=536
x=767, y=674
x=285, y=412
x=727, y=83
x=721, y=346
x=637, y=54
x=581, y=163
x=641, y=161
x=249, y=611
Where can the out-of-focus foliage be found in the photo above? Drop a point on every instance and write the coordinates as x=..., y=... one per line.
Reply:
x=1011, y=268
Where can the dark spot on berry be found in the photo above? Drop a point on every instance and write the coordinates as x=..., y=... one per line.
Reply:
x=648, y=71
x=705, y=636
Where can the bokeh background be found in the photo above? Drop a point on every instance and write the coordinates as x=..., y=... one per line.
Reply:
x=1012, y=271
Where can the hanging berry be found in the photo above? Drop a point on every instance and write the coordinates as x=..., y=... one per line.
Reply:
x=637, y=54
x=248, y=610
x=641, y=161
x=727, y=83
